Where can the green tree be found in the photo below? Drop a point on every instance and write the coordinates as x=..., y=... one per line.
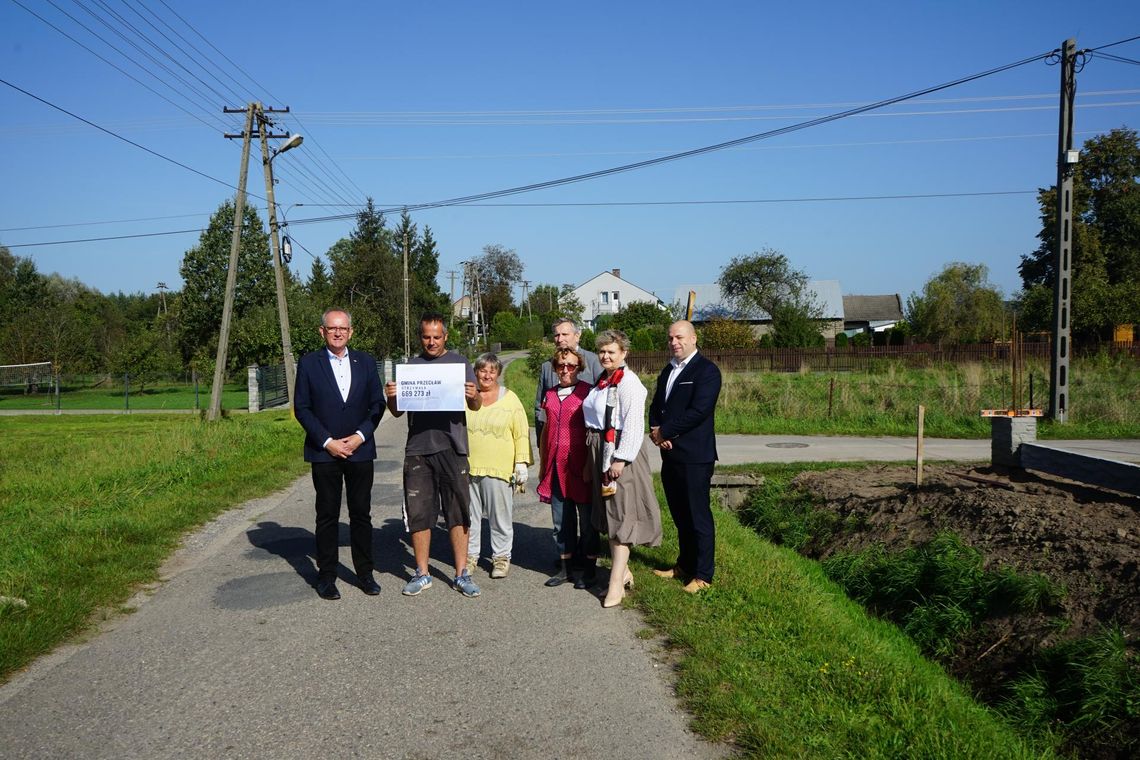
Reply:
x=1105, y=242
x=367, y=280
x=499, y=269
x=958, y=305
x=640, y=314
x=204, y=268
x=764, y=285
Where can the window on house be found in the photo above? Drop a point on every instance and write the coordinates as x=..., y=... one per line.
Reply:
x=616, y=297
x=605, y=297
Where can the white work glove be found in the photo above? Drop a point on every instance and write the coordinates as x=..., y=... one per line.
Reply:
x=521, y=474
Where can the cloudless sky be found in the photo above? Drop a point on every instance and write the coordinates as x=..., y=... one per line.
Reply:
x=419, y=102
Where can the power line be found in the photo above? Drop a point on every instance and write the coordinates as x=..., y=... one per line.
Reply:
x=711, y=202
x=115, y=66
x=1117, y=58
x=722, y=145
x=124, y=139
x=1112, y=44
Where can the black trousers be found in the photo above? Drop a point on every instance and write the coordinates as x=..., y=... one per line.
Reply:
x=687, y=491
x=356, y=477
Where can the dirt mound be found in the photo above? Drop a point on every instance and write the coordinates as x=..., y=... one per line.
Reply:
x=1086, y=540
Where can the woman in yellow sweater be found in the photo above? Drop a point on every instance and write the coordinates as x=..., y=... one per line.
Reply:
x=499, y=440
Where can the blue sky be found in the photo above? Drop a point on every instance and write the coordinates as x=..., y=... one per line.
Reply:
x=420, y=102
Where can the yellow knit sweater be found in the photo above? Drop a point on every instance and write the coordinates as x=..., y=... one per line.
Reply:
x=498, y=436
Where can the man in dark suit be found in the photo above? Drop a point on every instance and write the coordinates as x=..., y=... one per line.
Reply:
x=681, y=423
x=337, y=400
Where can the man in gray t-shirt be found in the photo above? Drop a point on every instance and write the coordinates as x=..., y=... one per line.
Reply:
x=435, y=465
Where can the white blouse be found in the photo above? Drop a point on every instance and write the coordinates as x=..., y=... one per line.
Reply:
x=631, y=414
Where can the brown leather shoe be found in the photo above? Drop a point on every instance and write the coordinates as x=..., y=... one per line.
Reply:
x=695, y=585
x=673, y=572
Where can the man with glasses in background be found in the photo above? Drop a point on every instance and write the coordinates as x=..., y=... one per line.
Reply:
x=566, y=334
x=338, y=402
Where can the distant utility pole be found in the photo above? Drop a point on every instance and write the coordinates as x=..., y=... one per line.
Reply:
x=525, y=299
x=215, y=409
x=162, y=295
x=407, y=303
x=451, y=307
x=1062, y=291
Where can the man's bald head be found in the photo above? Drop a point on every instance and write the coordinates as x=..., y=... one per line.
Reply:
x=682, y=339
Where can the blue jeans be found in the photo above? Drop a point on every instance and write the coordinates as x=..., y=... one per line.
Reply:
x=574, y=534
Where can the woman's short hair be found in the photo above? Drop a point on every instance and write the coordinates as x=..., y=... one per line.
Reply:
x=565, y=353
x=606, y=337
x=489, y=360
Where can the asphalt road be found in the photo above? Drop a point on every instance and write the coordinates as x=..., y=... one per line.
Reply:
x=233, y=655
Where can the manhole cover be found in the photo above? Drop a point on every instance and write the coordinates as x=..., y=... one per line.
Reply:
x=787, y=445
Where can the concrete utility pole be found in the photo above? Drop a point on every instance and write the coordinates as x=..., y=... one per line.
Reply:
x=215, y=409
x=1062, y=291
x=451, y=304
x=263, y=127
x=407, y=303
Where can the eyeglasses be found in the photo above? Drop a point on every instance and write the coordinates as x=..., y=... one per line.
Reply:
x=337, y=329
x=562, y=366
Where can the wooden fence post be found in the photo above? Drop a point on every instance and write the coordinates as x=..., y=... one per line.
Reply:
x=918, y=450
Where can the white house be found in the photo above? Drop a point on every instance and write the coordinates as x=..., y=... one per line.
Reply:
x=607, y=293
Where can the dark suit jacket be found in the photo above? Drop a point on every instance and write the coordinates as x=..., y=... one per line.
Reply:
x=687, y=418
x=323, y=414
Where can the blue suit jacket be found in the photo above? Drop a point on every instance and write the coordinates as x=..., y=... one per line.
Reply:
x=687, y=418
x=323, y=414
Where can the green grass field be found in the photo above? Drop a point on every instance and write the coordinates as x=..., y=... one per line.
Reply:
x=91, y=505
x=155, y=398
x=1105, y=401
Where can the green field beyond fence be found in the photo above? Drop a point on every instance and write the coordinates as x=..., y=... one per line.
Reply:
x=106, y=393
x=883, y=400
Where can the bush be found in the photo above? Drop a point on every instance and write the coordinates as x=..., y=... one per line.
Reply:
x=538, y=352
x=720, y=332
x=652, y=338
x=841, y=340
x=937, y=592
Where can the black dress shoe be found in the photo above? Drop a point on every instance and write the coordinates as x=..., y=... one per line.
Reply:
x=326, y=589
x=370, y=586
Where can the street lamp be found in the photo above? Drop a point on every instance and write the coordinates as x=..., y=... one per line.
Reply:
x=278, y=272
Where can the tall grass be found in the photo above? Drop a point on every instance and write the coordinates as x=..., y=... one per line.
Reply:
x=91, y=505
x=1104, y=400
x=938, y=591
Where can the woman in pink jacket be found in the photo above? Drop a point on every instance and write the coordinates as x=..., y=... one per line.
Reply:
x=562, y=472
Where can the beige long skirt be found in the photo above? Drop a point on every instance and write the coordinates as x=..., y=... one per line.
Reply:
x=632, y=515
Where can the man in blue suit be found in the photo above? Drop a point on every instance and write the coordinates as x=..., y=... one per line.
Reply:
x=337, y=400
x=681, y=423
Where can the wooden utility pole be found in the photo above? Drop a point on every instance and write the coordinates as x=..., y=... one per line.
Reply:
x=215, y=409
x=1062, y=263
x=263, y=127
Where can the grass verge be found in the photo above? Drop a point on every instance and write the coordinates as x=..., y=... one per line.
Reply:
x=776, y=659
x=92, y=505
